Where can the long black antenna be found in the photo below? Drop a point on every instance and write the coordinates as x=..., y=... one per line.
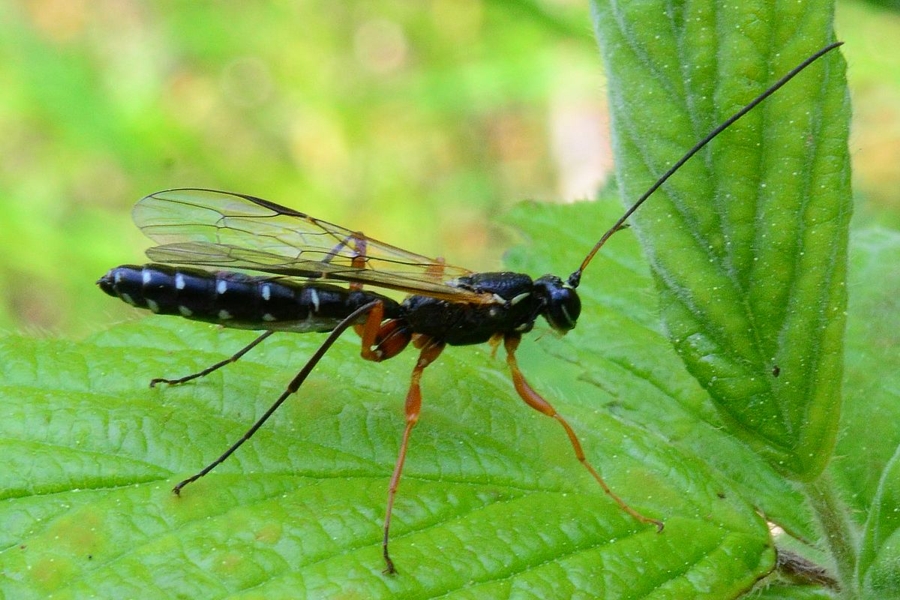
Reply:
x=575, y=278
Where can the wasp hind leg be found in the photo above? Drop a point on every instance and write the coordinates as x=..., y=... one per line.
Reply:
x=535, y=401
x=291, y=388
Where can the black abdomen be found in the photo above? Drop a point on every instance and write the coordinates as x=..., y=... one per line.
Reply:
x=237, y=300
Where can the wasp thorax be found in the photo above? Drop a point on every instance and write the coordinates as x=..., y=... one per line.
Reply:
x=562, y=306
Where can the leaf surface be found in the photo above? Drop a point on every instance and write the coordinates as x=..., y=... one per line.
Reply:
x=748, y=241
x=492, y=500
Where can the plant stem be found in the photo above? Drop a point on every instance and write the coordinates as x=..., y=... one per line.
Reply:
x=837, y=531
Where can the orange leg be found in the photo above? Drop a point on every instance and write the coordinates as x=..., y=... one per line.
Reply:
x=535, y=401
x=430, y=352
x=368, y=332
x=381, y=341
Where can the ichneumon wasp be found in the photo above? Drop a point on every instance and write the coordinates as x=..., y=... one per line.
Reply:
x=199, y=230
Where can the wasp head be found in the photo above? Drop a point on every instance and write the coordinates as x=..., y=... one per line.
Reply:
x=560, y=302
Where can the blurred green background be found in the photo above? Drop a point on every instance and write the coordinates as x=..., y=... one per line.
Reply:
x=415, y=122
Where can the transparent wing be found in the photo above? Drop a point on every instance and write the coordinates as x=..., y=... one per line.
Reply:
x=235, y=231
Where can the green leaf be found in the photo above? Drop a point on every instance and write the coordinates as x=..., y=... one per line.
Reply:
x=870, y=440
x=619, y=350
x=879, y=560
x=869, y=433
x=787, y=592
x=748, y=241
x=492, y=499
